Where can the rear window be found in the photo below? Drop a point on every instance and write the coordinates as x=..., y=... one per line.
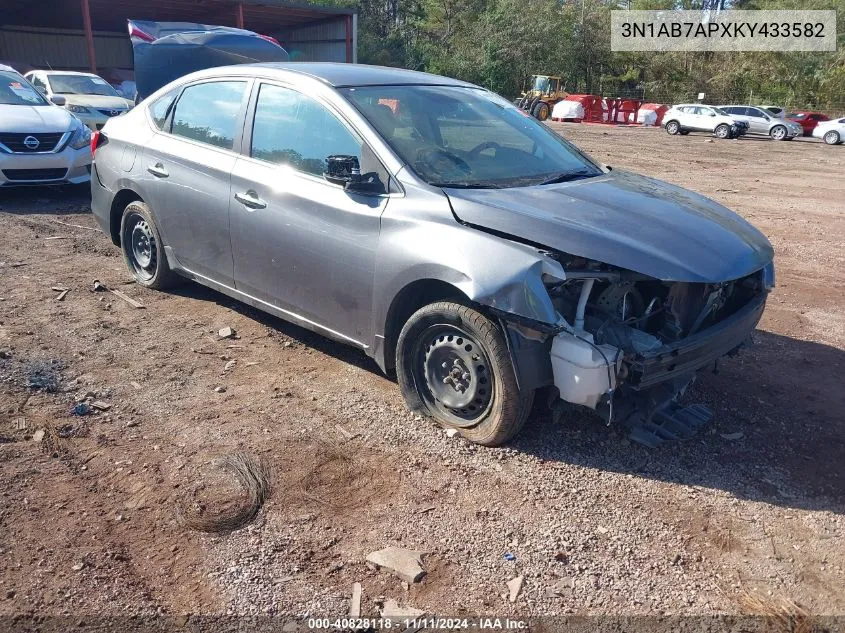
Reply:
x=208, y=112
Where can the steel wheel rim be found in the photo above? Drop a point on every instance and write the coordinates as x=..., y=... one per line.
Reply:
x=722, y=131
x=455, y=374
x=831, y=138
x=779, y=133
x=141, y=247
x=673, y=128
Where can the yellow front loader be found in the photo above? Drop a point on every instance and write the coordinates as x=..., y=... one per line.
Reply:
x=541, y=96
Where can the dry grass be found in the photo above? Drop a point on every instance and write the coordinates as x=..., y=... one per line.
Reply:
x=339, y=479
x=784, y=615
x=254, y=476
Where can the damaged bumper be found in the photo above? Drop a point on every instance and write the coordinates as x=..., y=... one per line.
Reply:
x=631, y=366
x=697, y=351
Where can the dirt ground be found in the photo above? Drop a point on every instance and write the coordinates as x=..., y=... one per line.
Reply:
x=747, y=514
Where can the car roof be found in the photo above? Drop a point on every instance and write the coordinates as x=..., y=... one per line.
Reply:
x=340, y=75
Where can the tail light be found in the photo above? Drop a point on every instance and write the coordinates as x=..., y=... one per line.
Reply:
x=97, y=139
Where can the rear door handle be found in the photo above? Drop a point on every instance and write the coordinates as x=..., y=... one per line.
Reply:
x=250, y=199
x=158, y=170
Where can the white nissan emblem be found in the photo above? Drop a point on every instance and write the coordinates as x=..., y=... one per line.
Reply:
x=30, y=142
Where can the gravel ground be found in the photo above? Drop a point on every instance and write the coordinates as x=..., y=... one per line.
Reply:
x=90, y=514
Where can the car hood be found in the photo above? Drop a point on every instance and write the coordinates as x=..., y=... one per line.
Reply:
x=29, y=119
x=624, y=220
x=98, y=101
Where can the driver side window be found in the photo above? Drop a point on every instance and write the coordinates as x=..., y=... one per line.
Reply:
x=292, y=129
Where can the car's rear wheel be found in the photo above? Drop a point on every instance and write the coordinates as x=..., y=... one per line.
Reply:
x=778, y=133
x=143, y=249
x=673, y=127
x=453, y=365
x=832, y=137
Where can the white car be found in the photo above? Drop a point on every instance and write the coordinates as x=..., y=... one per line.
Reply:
x=697, y=117
x=833, y=132
x=90, y=97
x=40, y=142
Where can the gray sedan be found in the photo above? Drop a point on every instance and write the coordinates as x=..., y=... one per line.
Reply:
x=461, y=244
x=761, y=121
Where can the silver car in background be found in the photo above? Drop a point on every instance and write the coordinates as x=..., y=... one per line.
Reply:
x=430, y=223
x=761, y=121
x=40, y=142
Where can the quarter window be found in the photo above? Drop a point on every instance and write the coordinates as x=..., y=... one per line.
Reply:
x=208, y=112
x=161, y=108
x=292, y=129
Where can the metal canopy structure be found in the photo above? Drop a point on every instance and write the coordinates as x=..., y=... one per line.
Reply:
x=295, y=25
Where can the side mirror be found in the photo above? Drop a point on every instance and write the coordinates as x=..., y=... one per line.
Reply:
x=342, y=169
x=59, y=100
x=345, y=170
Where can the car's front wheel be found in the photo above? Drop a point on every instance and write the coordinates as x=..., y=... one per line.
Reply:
x=673, y=127
x=723, y=131
x=832, y=137
x=453, y=365
x=143, y=250
x=778, y=133
x=542, y=111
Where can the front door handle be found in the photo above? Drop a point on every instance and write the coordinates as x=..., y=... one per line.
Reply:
x=158, y=170
x=250, y=199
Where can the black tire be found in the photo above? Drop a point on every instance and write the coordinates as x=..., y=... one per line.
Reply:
x=143, y=250
x=723, y=131
x=541, y=111
x=453, y=365
x=673, y=127
x=832, y=137
x=683, y=132
x=779, y=133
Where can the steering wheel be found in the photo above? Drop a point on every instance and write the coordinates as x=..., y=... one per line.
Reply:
x=475, y=151
x=440, y=159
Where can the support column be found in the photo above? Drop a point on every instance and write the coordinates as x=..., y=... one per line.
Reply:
x=89, y=35
x=239, y=15
x=348, y=39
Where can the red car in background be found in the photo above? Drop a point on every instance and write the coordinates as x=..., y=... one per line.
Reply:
x=808, y=120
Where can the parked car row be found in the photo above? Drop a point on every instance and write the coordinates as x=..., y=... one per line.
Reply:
x=733, y=121
x=40, y=142
x=46, y=121
x=90, y=97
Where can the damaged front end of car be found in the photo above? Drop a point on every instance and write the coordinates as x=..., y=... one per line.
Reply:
x=628, y=346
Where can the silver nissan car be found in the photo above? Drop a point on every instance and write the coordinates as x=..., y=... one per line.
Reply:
x=460, y=243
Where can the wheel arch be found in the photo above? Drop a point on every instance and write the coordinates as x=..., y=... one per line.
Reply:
x=408, y=300
x=119, y=203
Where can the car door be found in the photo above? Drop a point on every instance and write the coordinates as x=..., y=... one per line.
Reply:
x=187, y=170
x=302, y=244
x=758, y=121
x=737, y=112
x=706, y=118
x=687, y=118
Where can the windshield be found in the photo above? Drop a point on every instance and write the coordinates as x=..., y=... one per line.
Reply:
x=15, y=90
x=799, y=116
x=81, y=85
x=466, y=137
x=719, y=111
x=541, y=84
